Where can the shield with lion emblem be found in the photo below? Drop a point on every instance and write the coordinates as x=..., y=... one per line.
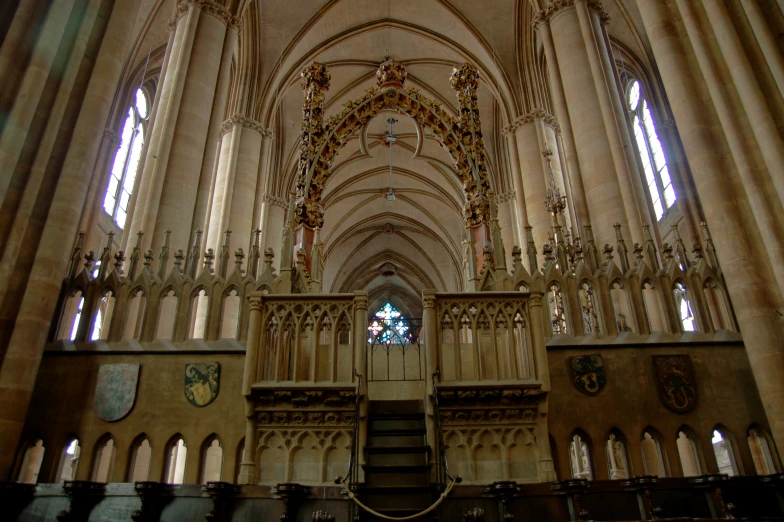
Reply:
x=202, y=383
x=675, y=378
x=588, y=373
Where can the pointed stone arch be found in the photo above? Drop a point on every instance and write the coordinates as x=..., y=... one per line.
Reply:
x=321, y=141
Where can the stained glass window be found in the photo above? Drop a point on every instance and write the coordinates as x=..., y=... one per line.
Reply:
x=651, y=153
x=126, y=161
x=387, y=326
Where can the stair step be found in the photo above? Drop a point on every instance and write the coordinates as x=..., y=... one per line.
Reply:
x=396, y=423
x=391, y=476
x=397, y=456
x=397, y=497
x=397, y=439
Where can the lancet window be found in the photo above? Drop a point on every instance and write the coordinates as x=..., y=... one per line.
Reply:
x=388, y=326
x=649, y=150
x=126, y=161
x=725, y=457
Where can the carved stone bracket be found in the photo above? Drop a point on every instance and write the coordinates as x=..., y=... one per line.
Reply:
x=154, y=497
x=291, y=494
x=556, y=6
x=505, y=491
x=537, y=114
x=83, y=495
x=222, y=494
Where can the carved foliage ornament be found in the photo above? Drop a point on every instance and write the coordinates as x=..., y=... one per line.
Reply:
x=556, y=6
x=321, y=140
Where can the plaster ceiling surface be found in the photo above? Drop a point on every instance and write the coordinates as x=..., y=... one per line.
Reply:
x=421, y=232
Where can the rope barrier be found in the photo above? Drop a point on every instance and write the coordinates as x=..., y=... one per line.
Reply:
x=385, y=517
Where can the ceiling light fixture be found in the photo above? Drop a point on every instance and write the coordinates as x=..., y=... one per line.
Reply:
x=390, y=195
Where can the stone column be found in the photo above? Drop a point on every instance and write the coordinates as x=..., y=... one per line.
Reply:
x=517, y=180
x=766, y=212
x=360, y=365
x=757, y=317
x=25, y=348
x=430, y=329
x=767, y=42
x=26, y=210
x=766, y=134
x=235, y=181
x=171, y=175
x=545, y=465
x=18, y=122
x=247, y=473
x=562, y=113
x=605, y=173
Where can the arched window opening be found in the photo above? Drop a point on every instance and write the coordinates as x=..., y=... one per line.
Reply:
x=167, y=315
x=621, y=308
x=580, y=457
x=199, y=307
x=105, y=455
x=589, y=309
x=231, y=315
x=684, y=307
x=141, y=455
x=388, y=326
x=133, y=322
x=31, y=463
x=617, y=463
x=212, y=461
x=653, y=307
x=652, y=455
x=69, y=461
x=687, y=452
x=176, y=457
x=103, y=317
x=718, y=306
x=725, y=456
x=760, y=452
x=126, y=161
x=72, y=316
x=649, y=150
x=557, y=306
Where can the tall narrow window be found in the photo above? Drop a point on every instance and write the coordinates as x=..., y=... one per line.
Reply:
x=725, y=457
x=126, y=162
x=657, y=176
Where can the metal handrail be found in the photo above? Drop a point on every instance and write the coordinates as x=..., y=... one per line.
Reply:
x=352, y=474
x=442, y=465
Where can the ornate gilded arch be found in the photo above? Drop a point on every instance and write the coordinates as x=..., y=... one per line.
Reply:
x=320, y=141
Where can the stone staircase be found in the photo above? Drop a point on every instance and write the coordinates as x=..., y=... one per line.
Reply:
x=397, y=473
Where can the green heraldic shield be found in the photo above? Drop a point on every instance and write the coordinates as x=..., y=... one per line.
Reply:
x=202, y=383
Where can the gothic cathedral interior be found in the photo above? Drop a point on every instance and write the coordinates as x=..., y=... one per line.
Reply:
x=363, y=260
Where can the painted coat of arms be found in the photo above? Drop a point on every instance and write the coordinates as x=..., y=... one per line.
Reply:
x=588, y=373
x=115, y=391
x=675, y=378
x=202, y=383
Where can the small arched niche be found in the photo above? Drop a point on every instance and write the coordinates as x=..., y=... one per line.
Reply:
x=684, y=307
x=624, y=319
x=167, y=315
x=652, y=456
x=176, y=458
x=211, y=460
x=230, y=317
x=617, y=456
x=103, y=317
x=104, y=459
x=135, y=315
x=31, y=462
x=69, y=460
x=688, y=453
x=199, y=307
x=141, y=456
x=580, y=456
x=760, y=446
x=724, y=452
x=654, y=310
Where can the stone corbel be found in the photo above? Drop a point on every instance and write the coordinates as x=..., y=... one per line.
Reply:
x=14, y=496
x=154, y=497
x=83, y=495
x=292, y=494
x=222, y=495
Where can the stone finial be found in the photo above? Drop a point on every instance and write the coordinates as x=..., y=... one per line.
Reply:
x=269, y=256
x=89, y=261
x=239, y=256
x=680, y=249
x=531, y=249
x=465, y=78
x=179, y=257
x=623, y=252
x=148, y=257
x=637, y=250
x=119, y=259
x=391, y=74
x=192, y=262
x=517, y=254
x=209, y=257
x=608, y=257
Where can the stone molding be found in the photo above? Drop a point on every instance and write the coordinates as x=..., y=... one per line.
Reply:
x=305, y=418
x=557, y=6
x=505, y=197
x=483, y=416
x=537, y=114
x=275, y=200
x=210, y=7
x=246, y=123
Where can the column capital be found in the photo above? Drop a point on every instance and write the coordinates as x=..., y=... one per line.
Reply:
x=543, y=16
x=247, y=123
x=217, y=11
x=429, y=298
x=360, y=300
x=537, y=114
x=254, y=303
